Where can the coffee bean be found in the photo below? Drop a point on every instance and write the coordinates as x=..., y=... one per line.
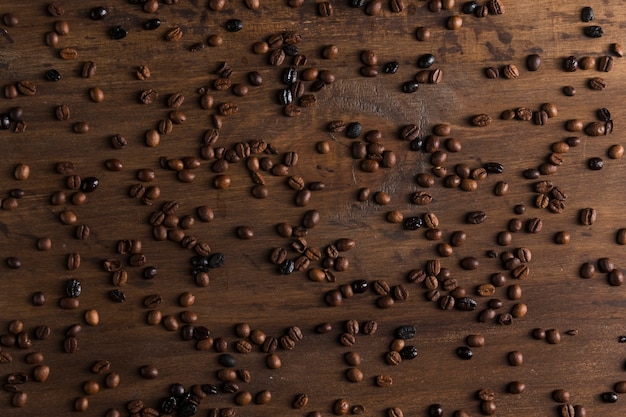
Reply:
x=587, y=216
x=464, y=353
x=609, y=397
x=533, y=62
x=593, y=31
x=587, y=14
x=597, y=83
x=410, y=87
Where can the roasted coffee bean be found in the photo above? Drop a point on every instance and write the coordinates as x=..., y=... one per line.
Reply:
x=587, y=14
x=609, y=397
x=410, y=87
x=587, y=216
x=413, y=223
x=570, y=64
x=234, y=25
x=595, y=163
x=391, y=67
x=405, y=332
x=117, y=33
x=73, y=288
x=593, y=31
x=466, y=304
x=426, y=61
x=597, y=83
x=464, y=353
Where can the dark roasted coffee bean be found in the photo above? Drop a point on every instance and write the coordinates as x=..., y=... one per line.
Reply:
x=287, y=267
x=595, y=164
x=98, y=13
x=410, y=87
x=435, y=410
x=234, y=25
x=391, y=67
x=285, y=96
x=466, y=304
x=493, y=167
x=73, y=288
x=353, y=130
x=152, y=24
x=426, y=61
x=359, y=286
x=408, y=352
x=593, y=31
x=117, y=296
x=89, y=184
x=53, y=75
x=215, y=260
x=469, y=7
x=604, y=114
x=117, y=33
x=570, y=64
x=413, y=223
x=586, y=14
x=290, y=75
x=405, y=332
x=464, y=353
x=227, y=360
x=609, y=397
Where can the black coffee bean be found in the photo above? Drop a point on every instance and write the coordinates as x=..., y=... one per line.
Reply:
x=354, y=130
x=168, y=405
x=89, y=184
x=210, y=389
x=359, y=286
x=621, y=339
x=494, y=168
x=426, y=61
x=187, y=409
x=227, y=360
x=595, y=163
x=435, y=410
x=464, y=353
x=413, y=223
x=608, y=397
x=287, y=267
x=201, y=333
x=290, y=75
x=73, y=288
x=177, y=390
x=357, y=3
x=117, y=296
x=391, y=67
x=150, y=272
x=291, y=50
x=152, y=24
x=234, y=25
x=416, y=144
x=408, y=352
x=216, y=260
x=586, y=14
x=570, y=64
x=410, y=87
x=469, y=7
x=98, y=13
x=593, y=31
x=200, y=262
x=604, y=114
x=466, y=304
x=5, y=121
x=285, y=96
x=117, y=33
x=53, y=75
x=405, y=332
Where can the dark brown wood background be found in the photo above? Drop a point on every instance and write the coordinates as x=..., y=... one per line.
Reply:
x=248, y=288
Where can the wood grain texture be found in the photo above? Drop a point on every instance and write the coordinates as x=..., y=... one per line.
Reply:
x=248, y=288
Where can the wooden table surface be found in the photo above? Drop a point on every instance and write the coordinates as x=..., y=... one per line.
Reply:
x=248, y=288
